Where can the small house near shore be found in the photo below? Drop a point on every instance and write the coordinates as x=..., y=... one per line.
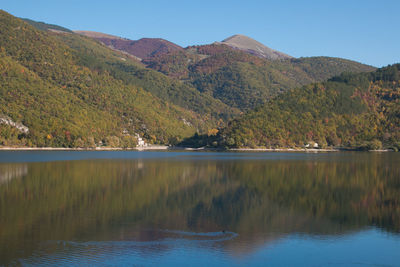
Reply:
x=141, y=142
x=311, y=144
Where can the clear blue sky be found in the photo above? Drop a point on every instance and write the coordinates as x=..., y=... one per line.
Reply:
x=363, y=30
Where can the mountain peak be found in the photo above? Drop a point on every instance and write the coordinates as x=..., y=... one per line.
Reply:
x=253, y=47
x=237, y=36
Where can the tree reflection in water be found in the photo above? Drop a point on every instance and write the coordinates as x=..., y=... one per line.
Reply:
x=143, y=200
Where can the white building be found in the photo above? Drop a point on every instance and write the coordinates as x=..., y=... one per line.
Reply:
x=141, y=142
x=311, y=144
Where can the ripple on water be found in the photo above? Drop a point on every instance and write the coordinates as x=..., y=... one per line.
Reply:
x=124, y=252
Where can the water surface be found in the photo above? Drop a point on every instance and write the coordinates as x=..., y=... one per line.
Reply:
x=108, y=208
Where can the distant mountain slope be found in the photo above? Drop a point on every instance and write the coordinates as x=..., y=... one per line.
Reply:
x=253, y=47
x=351, y=110
x=93, y=55
x=245, y=81
x=143, y=48
x=97, y=35
x=206, y=87
x=65, y=100
x=45, y=26
x=228, y=72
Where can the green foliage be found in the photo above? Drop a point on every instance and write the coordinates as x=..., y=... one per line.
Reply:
x=371, y=145
x=245, y=81
x=72, y=91
x=10, y=136
x=246, y=85
x=352, y=110
x=53, y=88
x=201, y=140
x=45, y=26
x=128, y=141
x=99, y=58
x=175, y=64
x=112, y=141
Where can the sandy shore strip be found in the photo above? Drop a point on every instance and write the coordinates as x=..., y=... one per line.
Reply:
x=285, y=149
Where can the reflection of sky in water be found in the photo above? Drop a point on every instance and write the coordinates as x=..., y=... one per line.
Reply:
x=369, y=247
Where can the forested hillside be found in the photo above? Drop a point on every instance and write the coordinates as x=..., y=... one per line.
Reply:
x=73, y=97
x=70, y=90
x=94, y=55
x=231, y=73
x=242, y=80
x=45, y=26
x=351, y=110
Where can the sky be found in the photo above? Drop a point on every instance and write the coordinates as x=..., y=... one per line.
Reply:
x=363, y=30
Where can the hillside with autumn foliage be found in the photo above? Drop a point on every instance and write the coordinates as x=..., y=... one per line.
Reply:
x=360, y=111
x=70, y=91
x=63, y=89
x=242, y=80
x=231, y=71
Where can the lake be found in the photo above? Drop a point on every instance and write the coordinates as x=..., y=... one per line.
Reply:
x=129, y=208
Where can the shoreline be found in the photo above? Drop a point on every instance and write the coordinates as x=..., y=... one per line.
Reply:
x=286, y=150
x=83, y=149
x=171, y=148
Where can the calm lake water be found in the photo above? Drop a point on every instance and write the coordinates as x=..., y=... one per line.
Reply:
x=199, y=209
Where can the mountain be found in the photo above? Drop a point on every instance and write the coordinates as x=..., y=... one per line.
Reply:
x=242, y=80
x=92, y=54
x=351, y=110
x=228, y=72
x=253, y=47
x=142, y=48
x=45, y=26
x=69, y=91
x=98, y=35
x=169, y=95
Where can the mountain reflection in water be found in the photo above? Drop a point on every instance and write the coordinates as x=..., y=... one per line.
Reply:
x=152, y=205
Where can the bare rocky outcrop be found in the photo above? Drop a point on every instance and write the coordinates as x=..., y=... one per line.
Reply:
x=8, y=121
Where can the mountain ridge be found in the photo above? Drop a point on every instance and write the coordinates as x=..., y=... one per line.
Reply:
x=94, y=34
x=242, y=80
x=229, y=71
x=142, y=48
x=251, y=46
x=46, y=26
